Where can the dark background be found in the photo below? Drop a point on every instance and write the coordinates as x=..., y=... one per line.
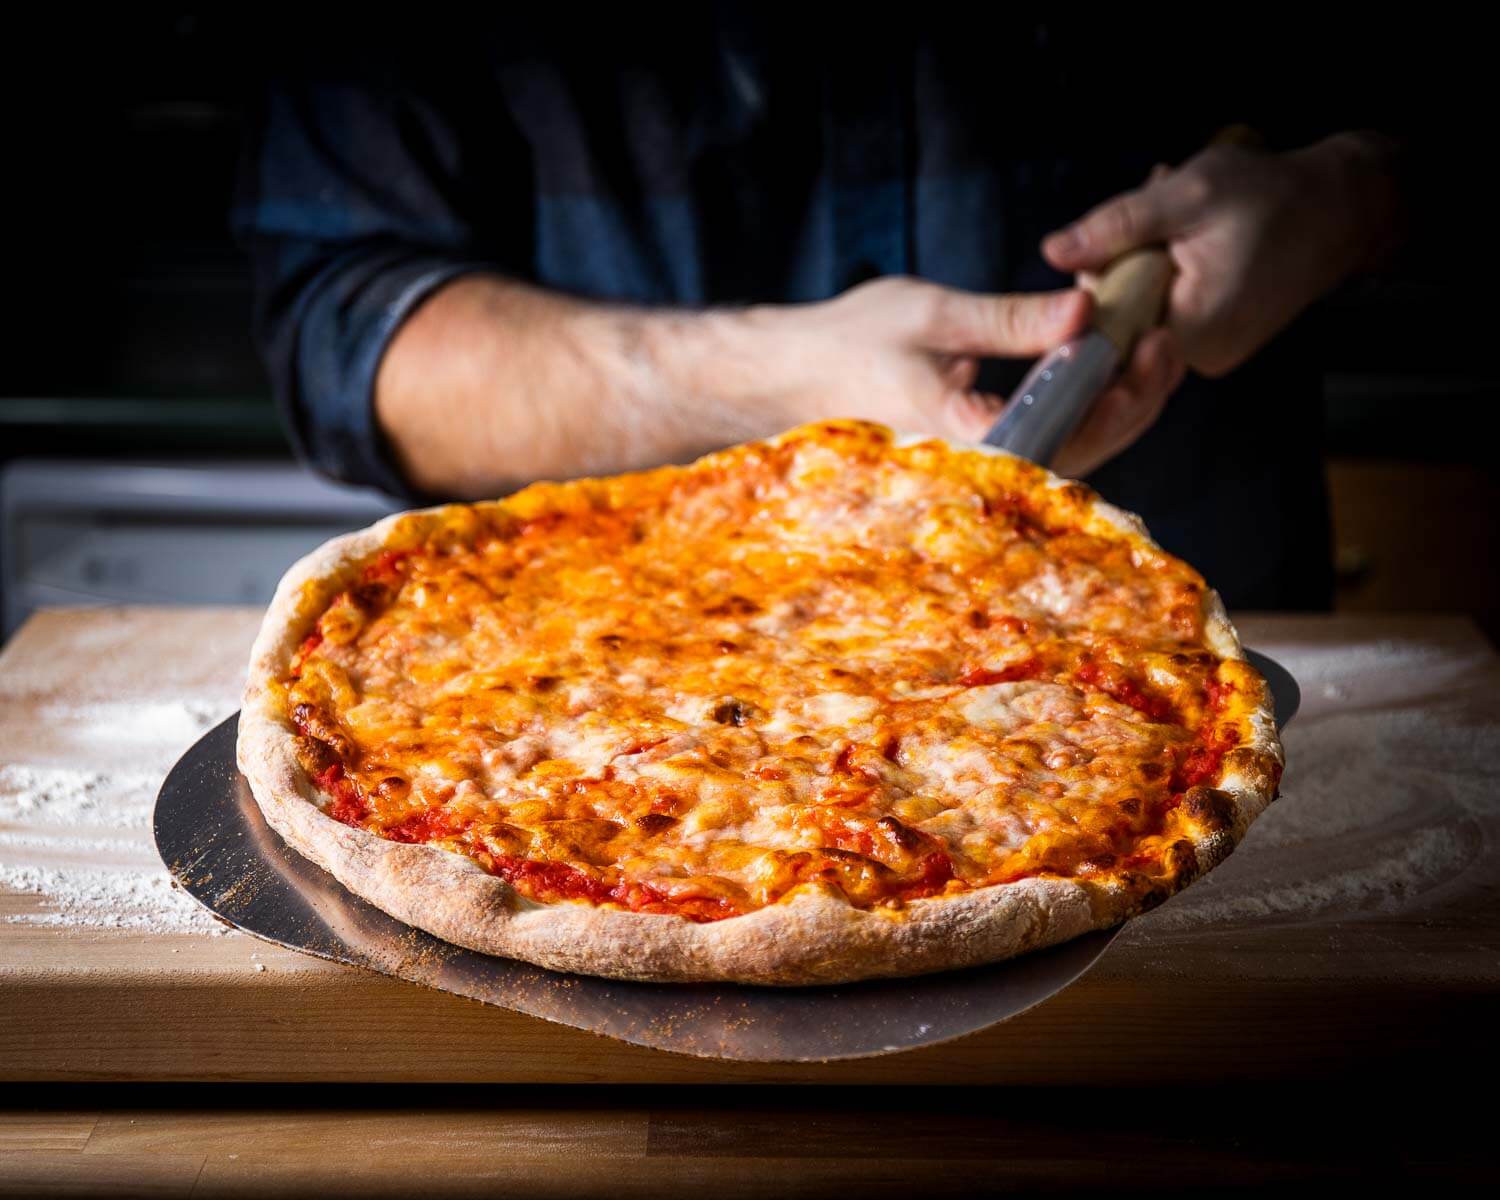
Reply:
x=129, y=335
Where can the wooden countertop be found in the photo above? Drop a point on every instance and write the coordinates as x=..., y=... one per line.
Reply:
x=725, y=1143
x=1350, y=949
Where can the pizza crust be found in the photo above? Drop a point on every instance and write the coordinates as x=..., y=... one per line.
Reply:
x=813, y=936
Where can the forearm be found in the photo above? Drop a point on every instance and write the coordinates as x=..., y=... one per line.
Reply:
x=491, y=384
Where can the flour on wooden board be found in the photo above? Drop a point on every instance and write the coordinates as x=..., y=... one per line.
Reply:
x=80, y=840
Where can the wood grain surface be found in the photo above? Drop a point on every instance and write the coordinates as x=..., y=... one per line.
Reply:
x=1354, y=936
x=758, y=1142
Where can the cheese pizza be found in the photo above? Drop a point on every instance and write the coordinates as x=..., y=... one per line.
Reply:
x=837, y=705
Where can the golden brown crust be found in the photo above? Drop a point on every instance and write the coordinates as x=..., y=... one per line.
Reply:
x=814, y=936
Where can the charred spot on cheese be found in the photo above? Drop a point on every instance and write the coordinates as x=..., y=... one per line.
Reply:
x=371, y=595
x=1181, y=858
x=903, y=835
x=732, y=712
x=734, y=606
x=890, y=672
x=315, y=725
x=314, y=755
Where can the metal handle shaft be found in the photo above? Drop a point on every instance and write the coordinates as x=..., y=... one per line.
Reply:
x=1055, y=397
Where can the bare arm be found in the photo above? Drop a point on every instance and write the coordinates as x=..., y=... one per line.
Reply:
x=492, y=383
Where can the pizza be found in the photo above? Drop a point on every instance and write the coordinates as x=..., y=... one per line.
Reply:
x=836, y=705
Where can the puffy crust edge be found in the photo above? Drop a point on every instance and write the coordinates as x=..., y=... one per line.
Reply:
x=814, y=936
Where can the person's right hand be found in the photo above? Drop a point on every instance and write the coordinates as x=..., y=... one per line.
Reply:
x=906, y=353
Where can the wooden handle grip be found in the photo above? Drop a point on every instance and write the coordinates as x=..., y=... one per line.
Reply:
x=1129, y=296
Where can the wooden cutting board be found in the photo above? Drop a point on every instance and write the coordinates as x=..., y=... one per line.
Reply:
x=1354, y=935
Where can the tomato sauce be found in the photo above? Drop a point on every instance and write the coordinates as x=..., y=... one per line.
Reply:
x=349, y=804
x=544, y=881
x=1115, y=683
x=983, y=676
x=934, y=873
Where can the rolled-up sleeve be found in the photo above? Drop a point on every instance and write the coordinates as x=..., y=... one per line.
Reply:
x=349, y=203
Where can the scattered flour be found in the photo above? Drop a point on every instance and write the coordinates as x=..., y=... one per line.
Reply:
x=1382, y=885
x=65, y=796
x=1396, y=673
x=147, y=734
x=109, y=899
x=80, y=840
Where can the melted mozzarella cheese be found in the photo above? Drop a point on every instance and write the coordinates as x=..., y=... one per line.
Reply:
x=771, y=669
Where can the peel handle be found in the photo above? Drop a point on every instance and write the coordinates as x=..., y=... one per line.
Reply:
x=1129, y=296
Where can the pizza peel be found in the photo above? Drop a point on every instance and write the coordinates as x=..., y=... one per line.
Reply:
x=218, y=848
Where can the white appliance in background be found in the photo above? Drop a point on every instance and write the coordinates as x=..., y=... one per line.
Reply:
x=90, y=533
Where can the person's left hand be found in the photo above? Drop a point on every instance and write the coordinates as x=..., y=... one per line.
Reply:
x=1256, y=237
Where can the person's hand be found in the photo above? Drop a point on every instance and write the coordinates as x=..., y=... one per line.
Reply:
x=906, y=353
x=1256, y=237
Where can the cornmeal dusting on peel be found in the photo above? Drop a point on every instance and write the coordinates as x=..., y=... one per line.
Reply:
x=831, y=660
